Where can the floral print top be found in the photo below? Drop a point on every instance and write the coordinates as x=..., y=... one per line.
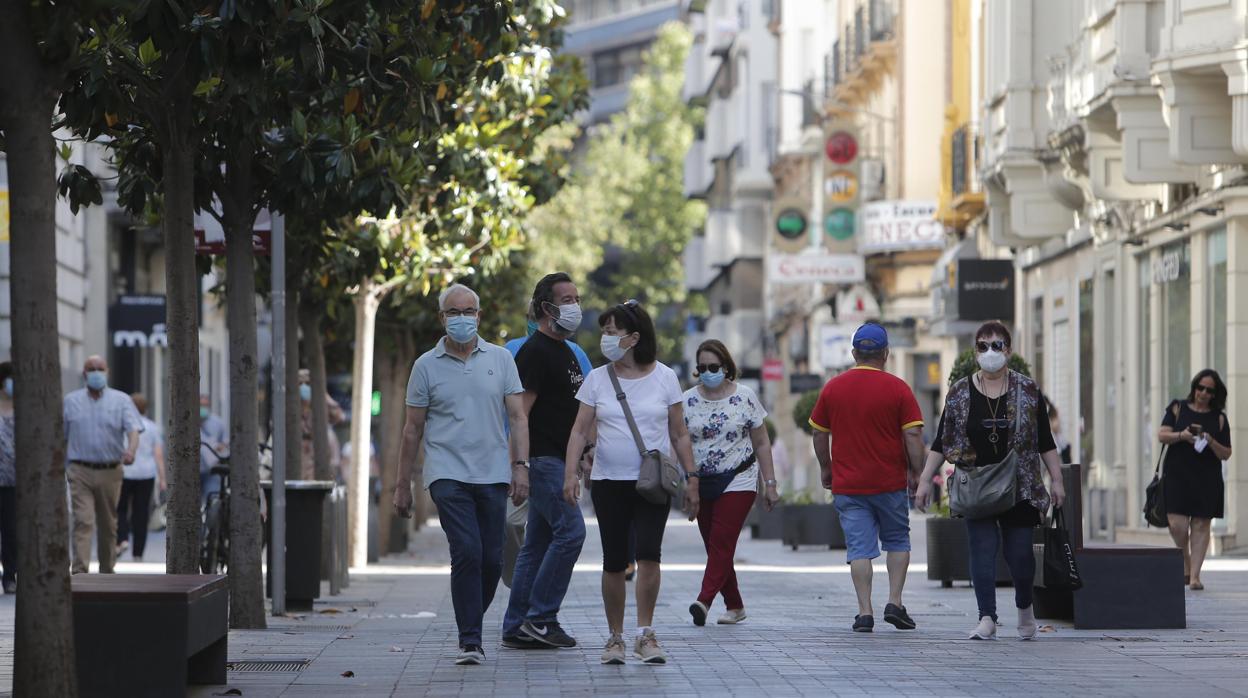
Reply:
x=720, y=431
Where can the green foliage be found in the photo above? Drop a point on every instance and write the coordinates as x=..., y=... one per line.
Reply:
x=628, y=196
x=807, y=496
x=801, y=411
x=965, y=365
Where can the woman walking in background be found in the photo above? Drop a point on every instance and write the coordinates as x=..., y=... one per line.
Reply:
x=1199, y=439
x=655, y=400
x=8, y=482
x=147, y=471
x=725, y=423
x=977, y=428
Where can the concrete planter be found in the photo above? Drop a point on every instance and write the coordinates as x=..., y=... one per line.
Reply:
x=766, y=525
x=812, y=524
x=948, y=555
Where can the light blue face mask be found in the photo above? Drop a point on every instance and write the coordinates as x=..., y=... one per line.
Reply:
x=530, y=327
x=461, y=329
x=305, y=392
x=8, y=387
x=712, y=380
x=97, y=380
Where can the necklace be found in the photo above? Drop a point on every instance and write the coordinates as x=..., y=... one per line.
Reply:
x=993, y=409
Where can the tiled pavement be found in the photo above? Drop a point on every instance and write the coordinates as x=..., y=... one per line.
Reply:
x=393, y=630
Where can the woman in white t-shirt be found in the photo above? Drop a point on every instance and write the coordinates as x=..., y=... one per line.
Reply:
x=654, y=396
x=725, y=422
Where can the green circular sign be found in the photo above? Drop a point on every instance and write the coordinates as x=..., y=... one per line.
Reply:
x=791, y=224
x=839, y=225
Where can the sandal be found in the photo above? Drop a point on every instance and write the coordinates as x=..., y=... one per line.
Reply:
x=1197, y=586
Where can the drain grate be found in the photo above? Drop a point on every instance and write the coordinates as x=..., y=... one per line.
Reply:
x=260, y=665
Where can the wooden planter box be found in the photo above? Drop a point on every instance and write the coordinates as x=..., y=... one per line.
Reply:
x=812, y=524
x=766, y=525
x=948, y=556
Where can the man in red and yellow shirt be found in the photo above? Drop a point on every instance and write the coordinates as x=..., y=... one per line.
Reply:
x=867, y=431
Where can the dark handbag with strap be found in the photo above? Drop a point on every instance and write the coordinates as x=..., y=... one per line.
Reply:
x=710, y=487
x=1155, y=496
x=659, y=478
x=1061, y=571
x=989, y=490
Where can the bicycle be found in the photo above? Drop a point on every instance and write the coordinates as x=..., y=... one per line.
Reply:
x=214, y=551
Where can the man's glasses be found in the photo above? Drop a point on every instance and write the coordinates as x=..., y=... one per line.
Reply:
x=709, y=368
x=1206, y=389
x=995, y=345
x=460, y=312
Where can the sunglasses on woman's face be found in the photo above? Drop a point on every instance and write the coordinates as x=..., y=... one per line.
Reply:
x=709, y=368
x=1206, y=389
x=995, y=345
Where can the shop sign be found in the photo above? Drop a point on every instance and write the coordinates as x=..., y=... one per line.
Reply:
x=1170, y=266
x=800, y=383
x=856, y=305
x=210, y=236
x=816, y=268
x=138, y=321
x=985, y=289
x=791, y=224
x=4, y=215
x=839, y=224
x=841, y=147
x=894, y=226
x=841, y=187
x=836, y=345
x=773, y=370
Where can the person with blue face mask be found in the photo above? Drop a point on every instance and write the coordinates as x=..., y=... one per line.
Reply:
x=214, y=432
x=8, y=482
x=333, y=416
x=470, y=466
x=102, y=429
x=731, y=448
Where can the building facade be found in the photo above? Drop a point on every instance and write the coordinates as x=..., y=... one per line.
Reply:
x=1112, y=147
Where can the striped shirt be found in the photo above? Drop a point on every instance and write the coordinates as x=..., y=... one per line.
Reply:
x=95, y=429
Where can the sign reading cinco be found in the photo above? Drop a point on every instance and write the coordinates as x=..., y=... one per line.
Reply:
x=816, y=268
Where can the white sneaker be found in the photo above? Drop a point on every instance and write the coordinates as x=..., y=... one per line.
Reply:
x=732, y=617
x=986, y=630
x=1027, y=623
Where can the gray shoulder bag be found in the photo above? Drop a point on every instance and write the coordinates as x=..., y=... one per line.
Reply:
x=989, y=490
x=659, y=478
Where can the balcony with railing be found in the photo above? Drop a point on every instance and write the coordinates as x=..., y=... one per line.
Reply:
x=863, y=53
x=961, y=195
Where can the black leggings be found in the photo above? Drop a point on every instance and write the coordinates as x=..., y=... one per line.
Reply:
x=621, y=511
x=8, y=532
x=133, y=509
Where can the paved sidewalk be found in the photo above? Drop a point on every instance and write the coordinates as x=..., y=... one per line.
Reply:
x=393, y=633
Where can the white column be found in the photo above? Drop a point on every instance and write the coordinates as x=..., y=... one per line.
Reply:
x=1237, y=374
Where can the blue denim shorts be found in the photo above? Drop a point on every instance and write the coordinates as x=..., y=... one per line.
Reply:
x=871, y=519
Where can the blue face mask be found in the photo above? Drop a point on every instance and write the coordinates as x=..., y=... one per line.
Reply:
x=8, y=386
x=461, y=329
x=305, y=392
x=711, y=380
x=97, y=380
x=530, y=328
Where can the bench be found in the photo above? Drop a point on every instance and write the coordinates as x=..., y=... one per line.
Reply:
x=149, y=634
x=1124, y=586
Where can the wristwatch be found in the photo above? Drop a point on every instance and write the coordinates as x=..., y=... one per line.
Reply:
x=521, y=463
x=689, y=475
x=769, y=483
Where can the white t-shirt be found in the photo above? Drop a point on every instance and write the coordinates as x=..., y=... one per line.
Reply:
x=720, y=431
x=650, y=397
x=144, y=466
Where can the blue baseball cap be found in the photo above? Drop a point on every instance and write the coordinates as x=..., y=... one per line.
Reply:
x=870, y=337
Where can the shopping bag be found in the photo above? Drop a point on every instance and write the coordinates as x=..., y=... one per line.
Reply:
x=1061, y=570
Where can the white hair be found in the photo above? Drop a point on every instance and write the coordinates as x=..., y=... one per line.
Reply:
x=456, y=288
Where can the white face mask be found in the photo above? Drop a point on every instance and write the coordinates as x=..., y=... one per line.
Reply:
x=991, y=361
x=611, y=349
x=569, y=318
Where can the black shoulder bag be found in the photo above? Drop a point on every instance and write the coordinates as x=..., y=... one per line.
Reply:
x=1155, y=493
x=712, y=486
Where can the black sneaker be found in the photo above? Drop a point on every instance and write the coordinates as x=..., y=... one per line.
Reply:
x=470, y=655
x=520, y=641
x=549, y=633
x=864, y=624
x=898, y=617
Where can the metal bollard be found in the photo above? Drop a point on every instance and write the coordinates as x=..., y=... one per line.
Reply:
x=344, y=579
x=335, y=587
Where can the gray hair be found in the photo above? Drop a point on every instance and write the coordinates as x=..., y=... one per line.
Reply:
x=456, y=288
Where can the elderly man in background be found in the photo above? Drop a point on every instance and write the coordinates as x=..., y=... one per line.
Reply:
x=102, y=433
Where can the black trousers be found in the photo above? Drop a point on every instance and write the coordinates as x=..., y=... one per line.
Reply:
x=8, y=532
x=133, y=509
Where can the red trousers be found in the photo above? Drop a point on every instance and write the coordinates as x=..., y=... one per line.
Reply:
x=720, y=522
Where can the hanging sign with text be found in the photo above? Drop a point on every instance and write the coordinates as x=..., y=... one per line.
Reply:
x=815, y=268
x=895, y=226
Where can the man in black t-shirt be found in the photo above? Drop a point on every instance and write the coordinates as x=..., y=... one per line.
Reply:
x=555, y=531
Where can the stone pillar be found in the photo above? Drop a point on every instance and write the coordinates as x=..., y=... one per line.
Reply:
x=1237, y=373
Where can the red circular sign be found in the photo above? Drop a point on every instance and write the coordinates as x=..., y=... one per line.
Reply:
x=841, y=148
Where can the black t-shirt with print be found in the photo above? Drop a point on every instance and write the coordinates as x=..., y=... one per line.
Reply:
x=549, y=368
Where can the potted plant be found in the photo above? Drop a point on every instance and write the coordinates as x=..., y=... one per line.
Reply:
x=948, y=557
x=811, y=520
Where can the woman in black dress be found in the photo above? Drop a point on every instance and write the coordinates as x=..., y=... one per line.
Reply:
x=1199, y=437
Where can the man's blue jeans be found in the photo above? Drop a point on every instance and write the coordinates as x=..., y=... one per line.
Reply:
x=552, y=543
x=472, y=517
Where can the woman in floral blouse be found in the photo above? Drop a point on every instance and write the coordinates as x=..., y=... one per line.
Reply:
x=725, y=422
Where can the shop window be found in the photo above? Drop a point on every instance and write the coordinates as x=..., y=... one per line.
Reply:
x=617, y=65
x=1109, y=351
x=1172, y=273
x=1037, y=340
x=1216, y=318
x=1144, y=376
x=1087, y=350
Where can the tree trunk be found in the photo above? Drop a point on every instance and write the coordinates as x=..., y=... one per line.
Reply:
x=182, y=319
x=314, y=350
x=366, y=301
x=294, y=406
x=392, y=373
x=246, y=583
x=44, y=652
